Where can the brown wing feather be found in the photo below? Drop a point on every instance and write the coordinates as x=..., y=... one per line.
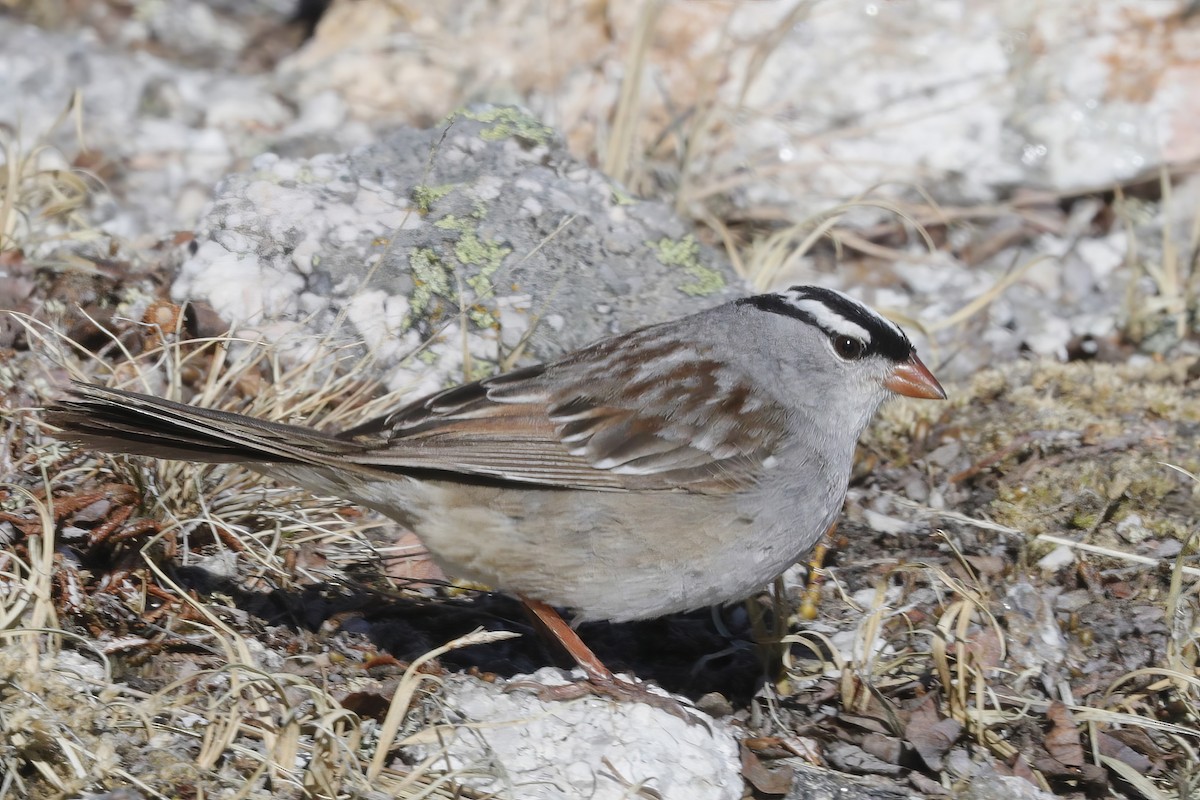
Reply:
x=688, y=423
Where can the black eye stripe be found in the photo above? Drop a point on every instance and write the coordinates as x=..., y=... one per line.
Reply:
x=885, y=339
x=776, y=304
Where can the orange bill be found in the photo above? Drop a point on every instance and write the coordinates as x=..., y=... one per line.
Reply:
x=913, y=379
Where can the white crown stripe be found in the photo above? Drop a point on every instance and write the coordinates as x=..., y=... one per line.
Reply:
x=832, y=321
x=873, y=313
x=802, y=300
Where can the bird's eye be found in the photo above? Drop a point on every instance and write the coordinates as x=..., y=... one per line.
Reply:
x=848, y=348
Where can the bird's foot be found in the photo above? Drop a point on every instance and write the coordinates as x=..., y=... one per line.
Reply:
x=600, y=679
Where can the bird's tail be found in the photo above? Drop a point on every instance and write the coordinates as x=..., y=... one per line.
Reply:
x=117, y=421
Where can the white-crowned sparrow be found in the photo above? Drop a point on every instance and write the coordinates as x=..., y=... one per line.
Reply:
x=672, y=467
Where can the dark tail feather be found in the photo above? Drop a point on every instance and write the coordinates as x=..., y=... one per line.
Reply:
x=116, y=421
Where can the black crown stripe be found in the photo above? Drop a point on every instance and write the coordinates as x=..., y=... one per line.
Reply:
x=885, y=340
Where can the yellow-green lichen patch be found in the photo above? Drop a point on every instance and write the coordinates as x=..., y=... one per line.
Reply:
x=482, y=316
x=431, y=279
x=425, y=196
x=481, y=369
x=509, y=123
x=622, y=197
x=474, y=252
x=485, y=257
x=685, y=254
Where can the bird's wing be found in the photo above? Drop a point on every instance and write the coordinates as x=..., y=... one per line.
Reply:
x=664, y=420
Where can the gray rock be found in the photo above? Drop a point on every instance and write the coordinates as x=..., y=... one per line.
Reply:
x=476, y=240
x=1034, y=638
x=813, y=783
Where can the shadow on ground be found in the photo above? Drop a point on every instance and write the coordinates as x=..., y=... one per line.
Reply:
x=690, y=654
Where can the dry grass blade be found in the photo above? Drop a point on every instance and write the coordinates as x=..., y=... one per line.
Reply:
x=819, y=644
x=1191, y=476
x=40, y=196
x=1181, y=648
x=1134, y=778
x=1110, y=552
x=1181, y=681
x=732, y=250
x=869, y=644
x=31, y=600
x=987, y=298
x=625, y=116
x=1175, y=278
x=407, y=689
x=774, y=256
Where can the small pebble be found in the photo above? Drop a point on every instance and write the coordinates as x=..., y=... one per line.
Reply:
x=1056, y=559
x=916, y=490
x=886, y=524
x=945, y=455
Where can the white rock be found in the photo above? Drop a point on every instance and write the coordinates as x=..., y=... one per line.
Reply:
x=1133, y=529
x=1051, y=339
x=593, y=747
x=1034, y=638
x=1057, y=558
x=884, y=523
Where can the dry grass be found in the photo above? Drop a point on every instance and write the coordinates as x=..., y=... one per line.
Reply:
x=1172, y=269
x=666, y=136
x=239, y=719
x=42, y=198
x=963, y=645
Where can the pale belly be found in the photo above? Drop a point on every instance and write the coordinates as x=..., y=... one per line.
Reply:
x=625, y=556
